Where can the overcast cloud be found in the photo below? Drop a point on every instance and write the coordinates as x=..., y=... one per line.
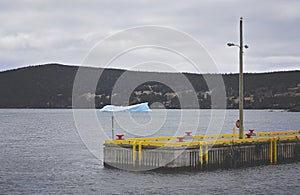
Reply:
x=44, y=31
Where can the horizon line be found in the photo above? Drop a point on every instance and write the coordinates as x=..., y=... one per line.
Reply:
x=146, y=71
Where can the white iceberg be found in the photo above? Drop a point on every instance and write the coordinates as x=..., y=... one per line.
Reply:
x=143, y=107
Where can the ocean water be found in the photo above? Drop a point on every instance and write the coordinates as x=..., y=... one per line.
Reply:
x=48, y=151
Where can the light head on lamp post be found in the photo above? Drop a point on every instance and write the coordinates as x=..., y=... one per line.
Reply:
x=232, y=44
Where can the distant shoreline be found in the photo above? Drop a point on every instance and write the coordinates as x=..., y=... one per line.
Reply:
x=50, y=86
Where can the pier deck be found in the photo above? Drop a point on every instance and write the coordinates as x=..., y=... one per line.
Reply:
x=202, y=152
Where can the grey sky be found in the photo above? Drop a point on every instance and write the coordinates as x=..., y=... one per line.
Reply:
x=36, y=32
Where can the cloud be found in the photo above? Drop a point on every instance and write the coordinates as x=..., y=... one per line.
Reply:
x=45, y=31
x=282, y=59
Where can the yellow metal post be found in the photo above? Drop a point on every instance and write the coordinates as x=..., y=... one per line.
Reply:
x=140, y=152
x=275, y=151
x=206, y=153
x=271, y=151
x=200, y=155
x=133, y=153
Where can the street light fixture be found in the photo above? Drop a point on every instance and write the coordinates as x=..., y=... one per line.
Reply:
x=241, y=79
x=232, y=44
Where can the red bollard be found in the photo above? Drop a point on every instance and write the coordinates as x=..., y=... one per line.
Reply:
x=251, y=131
x=120, y=136
x=180, y=139
x=188, y=133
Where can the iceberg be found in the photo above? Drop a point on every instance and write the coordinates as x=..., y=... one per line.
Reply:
x=143, y=107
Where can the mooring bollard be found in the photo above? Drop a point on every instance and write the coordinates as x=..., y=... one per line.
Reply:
x=188, y=135
x=120, y=136
x=180, y=139
x=251, y=132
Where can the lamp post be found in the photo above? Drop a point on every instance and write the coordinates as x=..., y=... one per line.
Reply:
x=241, y=79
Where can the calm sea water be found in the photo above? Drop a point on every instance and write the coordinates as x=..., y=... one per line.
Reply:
x=41, y=152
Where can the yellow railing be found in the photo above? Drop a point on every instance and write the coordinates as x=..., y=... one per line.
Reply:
x=197, y=143
x=293, y=132
x=170, y=141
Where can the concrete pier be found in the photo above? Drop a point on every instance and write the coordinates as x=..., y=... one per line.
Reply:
x=202, y=152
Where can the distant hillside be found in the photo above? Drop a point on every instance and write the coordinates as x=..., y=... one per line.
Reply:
x=50, y=86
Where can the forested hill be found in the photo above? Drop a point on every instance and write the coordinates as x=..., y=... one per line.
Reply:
x=50, y=86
